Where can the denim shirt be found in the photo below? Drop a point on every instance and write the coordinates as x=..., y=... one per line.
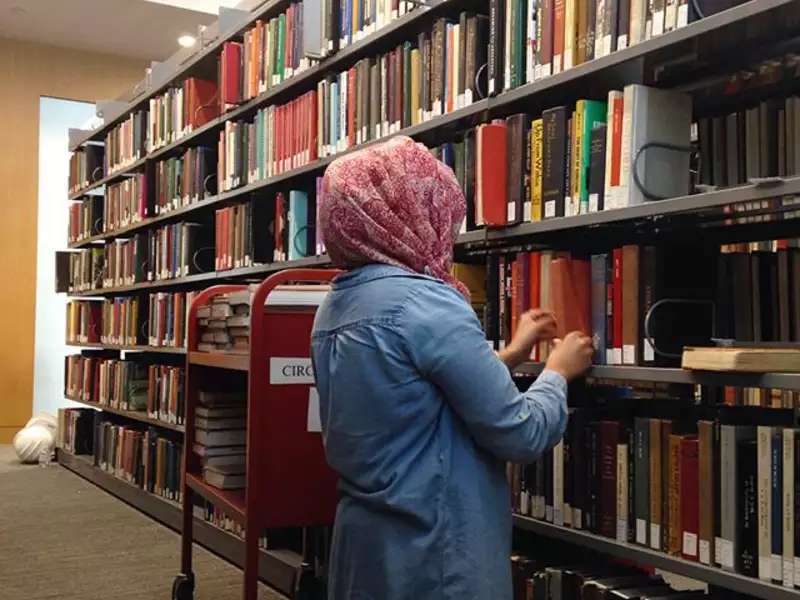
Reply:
x=418, y=416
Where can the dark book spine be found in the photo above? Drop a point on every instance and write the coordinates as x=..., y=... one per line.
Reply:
x=496, y=46
x=594, y=478
x=609, y=437
x=642, y=487
x=597, y=168
x=554, y=151
x=719, y=173
x=598, y=303
x=578, y=459
x=784, y=318
x=631, y=432
x=742, y=301
x=648, y=281
x=776, y=493
x=747, y=517
x=623, y=23
x=492, y=308
x=548, y=486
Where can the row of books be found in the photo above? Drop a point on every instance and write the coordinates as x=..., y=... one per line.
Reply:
x=125, y=203
x=75, y=432
x=709, y=491
x=85, y=218
x=758, y=291
x=416, y=81
x=184, y=180
x=607, y=296
x=126, y=143
x=180, y=110
x=572, y=162
x=279, y=139
x=130, y=321
x=85, y=167
x=271, y=52
x=534, y=39
x=760, y=141
x=348, y=21
x=135, y=385
x=535, y=577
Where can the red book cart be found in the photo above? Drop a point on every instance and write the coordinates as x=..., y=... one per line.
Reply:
x=288, y=482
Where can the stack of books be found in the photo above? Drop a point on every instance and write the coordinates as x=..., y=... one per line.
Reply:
x=225, y=324
x=220, y=438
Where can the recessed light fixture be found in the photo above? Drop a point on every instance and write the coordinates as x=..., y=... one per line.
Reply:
x=187, y=41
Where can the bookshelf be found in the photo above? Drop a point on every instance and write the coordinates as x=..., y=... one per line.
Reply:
x=134, y=415
x=282, y=568
x=644, y=556
x=651, y=62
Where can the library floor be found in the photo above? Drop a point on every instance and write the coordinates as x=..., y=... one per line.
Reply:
x=62, y=537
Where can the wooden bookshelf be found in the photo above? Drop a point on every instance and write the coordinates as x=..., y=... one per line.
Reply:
x=279, y=568
x=652, y=558
x=134, y=415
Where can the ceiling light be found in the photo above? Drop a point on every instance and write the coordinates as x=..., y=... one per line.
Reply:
x=187, y=41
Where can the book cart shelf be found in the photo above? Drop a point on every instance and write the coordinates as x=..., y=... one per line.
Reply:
x=288, y=482
x=701, y=50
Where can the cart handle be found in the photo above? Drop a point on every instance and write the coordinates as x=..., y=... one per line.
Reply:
x=265, y=288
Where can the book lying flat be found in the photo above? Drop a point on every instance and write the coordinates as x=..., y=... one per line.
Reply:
x=219, y=412
x=220, y=423
x=204, y=451
x=216, y=399
x=753, y=360
x=221, y=437
x=224, y=460
x=225, y=477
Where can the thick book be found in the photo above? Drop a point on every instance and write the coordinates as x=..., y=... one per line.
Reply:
x=654, y=117
x=689, y=499
x=609, y=438
x=658, y=490
x=674, y=495
x=642, y=482
x=776, y=501
x=497, y=30
x=728, y=545
x=630, y=304
x=491, y=174
x=225, y=477
x=597, y=168
x=554, y=151
x=570, y=295
x=518, y=128
x=593, y=114
x=599, y=286
x=222, y=437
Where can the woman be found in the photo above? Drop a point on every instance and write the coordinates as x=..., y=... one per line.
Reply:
x=418, y=413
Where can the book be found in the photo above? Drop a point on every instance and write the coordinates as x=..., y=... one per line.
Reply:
x=554, y=149
x=491, y=177
x=220, y=437
x=758, y=360
x=225, y=477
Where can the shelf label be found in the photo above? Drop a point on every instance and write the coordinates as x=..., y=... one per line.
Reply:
x=726, y=553
x=689, y=543
x=291, y=370
x=313, y=422
x=641, y=531
x=655, y=536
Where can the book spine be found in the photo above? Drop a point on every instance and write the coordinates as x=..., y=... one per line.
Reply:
x=746, y=521
x=642, y=470
x=656, y=484
x=689, y=509
x=776, y=509
x=789, y=466
x=764, y=511
x=622, y=493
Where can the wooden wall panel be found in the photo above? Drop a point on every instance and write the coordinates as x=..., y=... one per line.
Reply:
x=27, y=72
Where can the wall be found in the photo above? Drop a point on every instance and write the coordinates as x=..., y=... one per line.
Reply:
x=28, y=71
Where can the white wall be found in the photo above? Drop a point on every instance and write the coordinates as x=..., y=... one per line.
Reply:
x=55, y=117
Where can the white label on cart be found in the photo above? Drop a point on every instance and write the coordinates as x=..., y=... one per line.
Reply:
x=292, y=370
x=313, y=422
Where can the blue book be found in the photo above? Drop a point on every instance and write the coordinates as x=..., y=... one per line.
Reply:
x=298, y=225
x=598, y=300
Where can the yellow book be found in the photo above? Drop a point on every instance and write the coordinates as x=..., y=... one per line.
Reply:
x=356, y=30
x=575, y=174
x=416, y=111
x=536, y=170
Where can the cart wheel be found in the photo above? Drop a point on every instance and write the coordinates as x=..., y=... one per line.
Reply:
x=183, y=587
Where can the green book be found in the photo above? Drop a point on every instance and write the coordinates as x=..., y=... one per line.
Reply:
x=519, y=37
x=273, y=51
x=281, y=46
x=406, y=84
x=513, y=17
x=460, y=164
x=594, y=114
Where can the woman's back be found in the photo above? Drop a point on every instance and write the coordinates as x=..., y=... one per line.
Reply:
x=424, y=511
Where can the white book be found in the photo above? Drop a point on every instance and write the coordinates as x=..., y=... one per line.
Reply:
x=788, y=572
x=637, y=24
x=764, y=479
x=570, y=18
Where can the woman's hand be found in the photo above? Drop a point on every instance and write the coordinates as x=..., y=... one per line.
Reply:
x=533, y=326
x=571, y=356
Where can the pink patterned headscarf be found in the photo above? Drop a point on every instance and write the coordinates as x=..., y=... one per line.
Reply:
x=395, y=204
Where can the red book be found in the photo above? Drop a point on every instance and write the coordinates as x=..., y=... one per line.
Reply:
x=690, y=500
x=450, y=68
x=231, y=74
x=616, y=142
x=569, y=295
x=534, y=289
x=609, y=437
x=492, y=180
x=617, y=306
x=279, y=139
x=312, y=138
x=200, y=102
x=558, y=35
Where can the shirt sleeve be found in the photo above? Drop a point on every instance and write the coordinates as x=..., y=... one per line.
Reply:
x=448, y=347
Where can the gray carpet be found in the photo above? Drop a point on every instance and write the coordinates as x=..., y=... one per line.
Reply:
x=63, y=538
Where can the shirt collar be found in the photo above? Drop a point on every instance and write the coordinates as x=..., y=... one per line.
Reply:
x=372, y=272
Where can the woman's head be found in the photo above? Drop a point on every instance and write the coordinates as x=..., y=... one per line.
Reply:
x=393, y=203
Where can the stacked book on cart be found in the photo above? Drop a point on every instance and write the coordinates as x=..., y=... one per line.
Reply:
x=225, y=324
x=220, y=437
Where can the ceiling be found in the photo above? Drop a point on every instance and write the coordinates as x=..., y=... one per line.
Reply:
x=138, y=29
